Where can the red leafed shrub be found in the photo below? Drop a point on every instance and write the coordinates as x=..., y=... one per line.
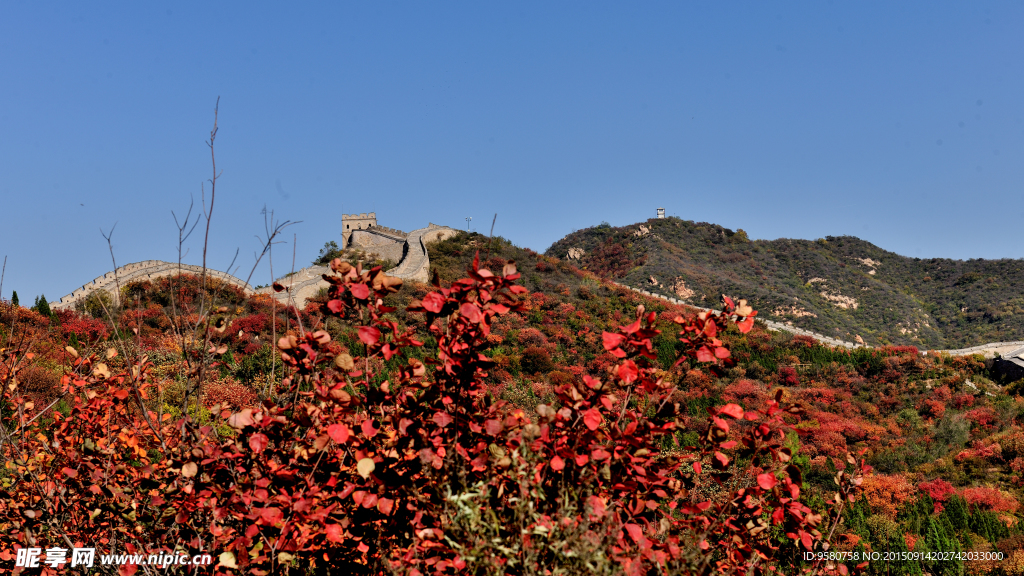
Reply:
x=1013, y=443
x=424, y=472
x=984, y=416
x=536, y=360
x=252, y=324
x=86, y=329
x=1017, y=465
x=532, y=337
x=932, y=408
x=938, y=489
x=965, y=400
x=981, y=450
x=886, y=493
x=229, y=393
x=748, y=393
x=991, y=499
x=787, y=376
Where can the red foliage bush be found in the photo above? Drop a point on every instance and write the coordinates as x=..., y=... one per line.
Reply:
x=536, y=360
x=750, y=394
x=344, y=474
x=939, y=490
x=252, y=324
x=788, y=376
x=984, y=416
x=229, y=393
x=932, y=408
x=85, y=329
x=965, y=400
x=991, y=499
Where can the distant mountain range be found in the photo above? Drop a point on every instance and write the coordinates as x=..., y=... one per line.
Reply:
x=841, y=286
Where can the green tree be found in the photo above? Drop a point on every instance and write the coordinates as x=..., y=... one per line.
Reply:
x=14, y=298
x=42, y=306
x=329, y=252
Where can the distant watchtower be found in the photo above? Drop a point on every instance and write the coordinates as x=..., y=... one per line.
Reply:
x=661, y=212
x=350, y=222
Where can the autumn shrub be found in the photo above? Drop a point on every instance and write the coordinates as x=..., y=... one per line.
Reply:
x=536, y=360
x=887, y=492
x=991, y=499
x=351, y=469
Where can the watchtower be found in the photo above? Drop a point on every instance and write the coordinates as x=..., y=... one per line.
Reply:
x=350, y=222
x=661, y=212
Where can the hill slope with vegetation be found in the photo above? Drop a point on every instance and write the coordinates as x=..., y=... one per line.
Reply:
x=841, y=287
x=566, y=424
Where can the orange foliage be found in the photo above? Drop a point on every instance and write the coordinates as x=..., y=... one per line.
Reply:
x=887, y=492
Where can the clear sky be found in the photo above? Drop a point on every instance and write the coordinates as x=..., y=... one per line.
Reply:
x=898, y=122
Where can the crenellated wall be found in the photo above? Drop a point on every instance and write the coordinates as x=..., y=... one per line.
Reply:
x=145, y=270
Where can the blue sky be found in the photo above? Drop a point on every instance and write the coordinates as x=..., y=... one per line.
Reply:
x=900, y=123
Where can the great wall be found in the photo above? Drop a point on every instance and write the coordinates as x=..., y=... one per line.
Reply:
x=409, y=250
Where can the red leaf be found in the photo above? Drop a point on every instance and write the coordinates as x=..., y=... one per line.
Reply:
x=697, y=467
x=704, y=355
x=338, y=432
x=721, y=460
x=433, y=302
x=582, y=459
x=368, y=430
x=612, y=341
x=745, y=325
x=733, y=410
x=258, y=442
x=70, y=472
x=628, y=371
x=721, y=352
x=369, y=501
x=597, y=507
x=335, y=306
x=592, y=418
x=805, y=539
x=557, y=464
x=384, y=506
x=632, y=327
x=360, y=291
x=600, y=454
x=271, y=515
x=710, y=328
x=637, y=534
x=493, y=427
x=767, y=481
x=442, y=419
x=333, y=533
x=369, y=335
x=470, y=312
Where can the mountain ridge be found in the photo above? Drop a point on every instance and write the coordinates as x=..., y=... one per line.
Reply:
x=840, y=286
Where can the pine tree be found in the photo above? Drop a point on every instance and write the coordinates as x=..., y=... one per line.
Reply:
x=14, y=298
x=42, y=306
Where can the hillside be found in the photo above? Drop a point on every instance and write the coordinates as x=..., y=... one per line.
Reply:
x=946, y=442
x=842, y=286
